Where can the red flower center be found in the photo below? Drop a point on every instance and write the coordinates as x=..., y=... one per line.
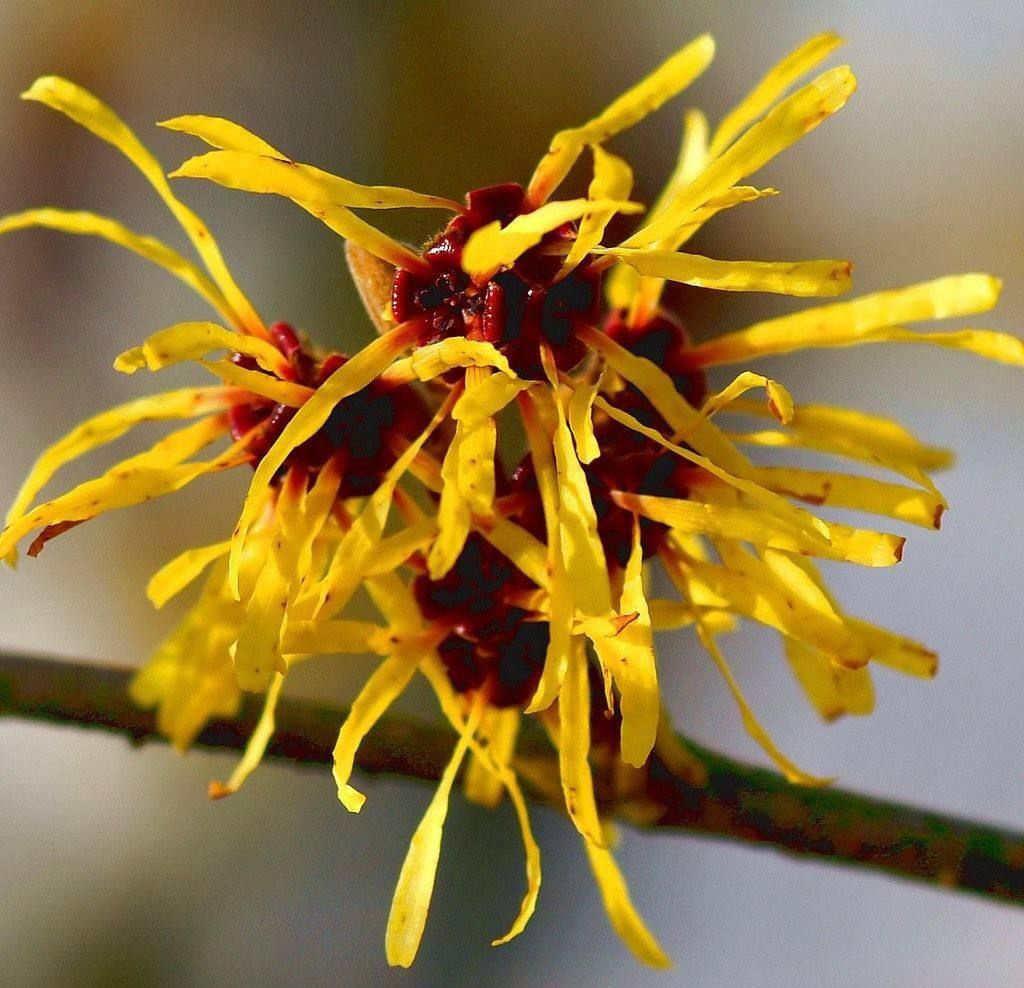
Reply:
x=517, y=309
x=359, y=428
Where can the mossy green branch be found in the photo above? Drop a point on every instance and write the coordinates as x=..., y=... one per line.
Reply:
x=738, y=801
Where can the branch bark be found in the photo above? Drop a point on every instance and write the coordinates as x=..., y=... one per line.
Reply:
x=738, y=802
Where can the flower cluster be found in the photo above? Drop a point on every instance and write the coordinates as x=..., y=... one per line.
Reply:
x=515, y=584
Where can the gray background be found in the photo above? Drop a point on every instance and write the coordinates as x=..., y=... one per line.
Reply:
x=115, y=869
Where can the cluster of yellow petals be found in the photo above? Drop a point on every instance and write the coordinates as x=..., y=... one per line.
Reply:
x=739, y=545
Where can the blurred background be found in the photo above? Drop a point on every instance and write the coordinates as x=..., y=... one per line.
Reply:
x=116, y=870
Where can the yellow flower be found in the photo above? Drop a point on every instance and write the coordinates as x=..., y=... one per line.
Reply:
x=627, y=459
x=498, y=593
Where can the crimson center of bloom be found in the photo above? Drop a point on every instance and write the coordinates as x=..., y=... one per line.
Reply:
x=491, y=643
x=358, y=430
x=517, y=309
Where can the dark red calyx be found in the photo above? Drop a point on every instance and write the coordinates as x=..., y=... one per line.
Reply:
x=517, y=310
x=491, y=642
x=359, y=428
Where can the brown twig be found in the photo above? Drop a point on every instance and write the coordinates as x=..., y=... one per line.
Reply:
x=738, y=801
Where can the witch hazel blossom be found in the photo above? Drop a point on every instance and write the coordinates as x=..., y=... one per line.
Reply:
x=517, y=583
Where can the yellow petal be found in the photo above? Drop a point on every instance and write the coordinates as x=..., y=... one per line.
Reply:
x=495, y=758
x=131, y=481
x=190, y=677
x=613, y=179
x=150, y=248
x=526, y=552
x=863, y=320
x=902, y=654
x=917, y=507
x=832, y=689
x=111, y=425
x=581, y=421
x=327, y=197
x=257, y=745
x=1001, y=347
x=791, y=120
x=258, y=654
x=220, y=133
x=838, y=446
x=171, y=579
x=851, y=431
x=670, y=615
x=753, y=727
x=763, y=599
x=353, y=376
x=395, y=600
x=86, y=110
x=454, y=518
x=393, y=551
x=499, y=730
x=336, y=638
x=629, y=656
x=582, y=552
x=800, y=278
x=757, y=102
x=854, y=545
x=862, y=429
x=532, y=852
x=489, y=396
x=495, y=246
x=670, y=78
x=434, y=359
x=255, y=382
x=561, y=608
x=560, y=642
x=382, y=688
x=780, y=401
x=409, y=908
x=475, y=480
x=693, y=158
x=193, y=340
x=255, y=172
x=574, y=747
x=622, y=914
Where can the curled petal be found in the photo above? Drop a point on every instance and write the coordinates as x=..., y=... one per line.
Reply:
x=194, y=340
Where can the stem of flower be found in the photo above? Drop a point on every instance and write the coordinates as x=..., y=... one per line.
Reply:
x=739, y=801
